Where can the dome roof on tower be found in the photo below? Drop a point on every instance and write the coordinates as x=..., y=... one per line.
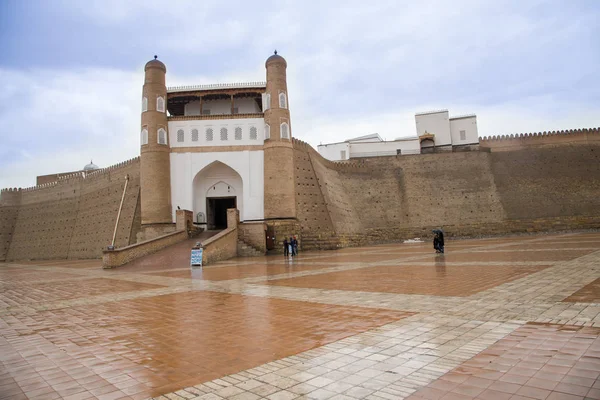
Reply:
x=91, y=167
x=155, y=64
x=276, y=58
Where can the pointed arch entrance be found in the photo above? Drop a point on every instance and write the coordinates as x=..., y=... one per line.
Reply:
x=216, y=187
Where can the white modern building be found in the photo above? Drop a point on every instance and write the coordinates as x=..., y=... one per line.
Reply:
x=436, y=131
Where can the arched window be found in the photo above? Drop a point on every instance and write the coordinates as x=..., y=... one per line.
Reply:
x=285, y=131
x=253, y=133
x=160, y=104
x=144, y=136
x=267, y=104
x=144, y=104
x=267, y=132
x=180, y=135
x=161, y=136
x=209, y=134
x=282, y=100
x=223, y=134
x=194, y=135
x=238, y=133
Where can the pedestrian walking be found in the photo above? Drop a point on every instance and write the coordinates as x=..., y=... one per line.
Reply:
x=438, y=241
x=286, y=250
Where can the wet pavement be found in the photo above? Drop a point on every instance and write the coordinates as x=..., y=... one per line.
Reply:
x=501, y=318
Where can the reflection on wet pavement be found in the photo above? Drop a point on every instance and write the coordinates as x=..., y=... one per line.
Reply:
x=379, y=322
x=438, y=281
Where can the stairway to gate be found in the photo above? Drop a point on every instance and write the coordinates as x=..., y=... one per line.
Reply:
x=246, y=250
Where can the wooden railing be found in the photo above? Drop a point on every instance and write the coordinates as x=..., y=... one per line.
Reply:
x=214, y=116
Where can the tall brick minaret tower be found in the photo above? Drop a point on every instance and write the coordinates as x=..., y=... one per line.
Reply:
x=155, y=173
x=280, y=199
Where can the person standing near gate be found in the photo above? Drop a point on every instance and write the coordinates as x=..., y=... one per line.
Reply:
x=286, y=250
x=294, y=246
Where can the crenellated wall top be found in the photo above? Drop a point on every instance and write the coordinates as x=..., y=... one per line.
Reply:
x=585, y=131
x=76, y=176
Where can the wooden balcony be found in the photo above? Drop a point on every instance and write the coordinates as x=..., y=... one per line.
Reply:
x=214, y=117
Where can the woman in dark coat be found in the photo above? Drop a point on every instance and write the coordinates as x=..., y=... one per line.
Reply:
x=438, y=242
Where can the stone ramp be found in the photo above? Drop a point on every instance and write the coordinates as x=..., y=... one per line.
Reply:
x=172, y=257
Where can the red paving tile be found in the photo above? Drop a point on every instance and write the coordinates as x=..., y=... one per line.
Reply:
x=524, y=344
x=177, y=338
x=9, y=275
x=507, y=256
x=587, y=294
x=52, y=291
x=235, y=272
x=365, y=257
x=439, y=280
x=154, y=345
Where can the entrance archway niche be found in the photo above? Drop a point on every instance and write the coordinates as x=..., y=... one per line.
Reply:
x=216, y=188
x=427, y=142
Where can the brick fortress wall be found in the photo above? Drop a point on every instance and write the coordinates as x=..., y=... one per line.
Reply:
x=73, y=217
x=506, y=187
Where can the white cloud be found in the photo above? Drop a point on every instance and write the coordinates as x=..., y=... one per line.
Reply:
x=353, y=68
x=57, y=121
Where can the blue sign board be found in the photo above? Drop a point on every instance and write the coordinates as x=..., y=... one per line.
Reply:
x=196, y=259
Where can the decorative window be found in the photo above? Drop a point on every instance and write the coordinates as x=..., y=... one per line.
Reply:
x=162, y=136
x=463, y=135
x=238, y=133
x=267, y=104
x=160, y=104
x=194, y=135
x=209, y=134
x=223, y=134
x=144, y=136
x=144, y=104
x=267, y=132
x=236, y=110
x=282, y=100
x=253, y=133
x=205, y=111
x=285, y=131
x=180, y=135
x=343, y=154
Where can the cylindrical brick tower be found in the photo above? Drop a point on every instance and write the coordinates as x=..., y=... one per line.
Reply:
x=155, y=173
x=280, y=187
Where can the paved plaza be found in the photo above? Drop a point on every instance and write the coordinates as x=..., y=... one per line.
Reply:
x=500, y=318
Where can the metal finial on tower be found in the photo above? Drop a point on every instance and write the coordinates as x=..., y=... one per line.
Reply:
x=155, y=56
x=275, y=51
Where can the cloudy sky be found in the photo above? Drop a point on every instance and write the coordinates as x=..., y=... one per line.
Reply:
x=71, y=71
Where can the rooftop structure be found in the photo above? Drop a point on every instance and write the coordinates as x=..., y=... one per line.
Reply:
x=436, y=131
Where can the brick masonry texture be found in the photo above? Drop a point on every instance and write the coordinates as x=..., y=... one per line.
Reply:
x=73, y=218
x=384, y=199
x=118, y=257
x=222, y=246
x=253, y=234
x=544, y=182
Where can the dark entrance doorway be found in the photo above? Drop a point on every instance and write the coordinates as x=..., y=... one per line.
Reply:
x=270, y=237
x=216, y=211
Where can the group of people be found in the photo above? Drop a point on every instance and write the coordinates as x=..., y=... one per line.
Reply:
x=290, y=247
